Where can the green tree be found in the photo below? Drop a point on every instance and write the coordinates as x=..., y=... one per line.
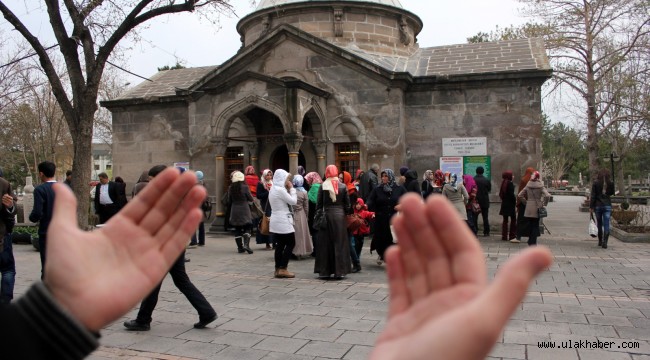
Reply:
x=563, y=151
x=87, y=33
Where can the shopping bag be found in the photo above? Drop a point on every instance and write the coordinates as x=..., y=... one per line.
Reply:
x=593, y=229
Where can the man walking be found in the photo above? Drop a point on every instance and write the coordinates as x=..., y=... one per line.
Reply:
x=43, y=206
x=106, y=198
x=483, y=188
x=206, y=313
x=7, y=264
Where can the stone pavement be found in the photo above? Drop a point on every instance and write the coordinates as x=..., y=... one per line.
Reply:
x=589, y=296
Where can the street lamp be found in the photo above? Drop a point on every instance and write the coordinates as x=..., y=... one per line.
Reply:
x=612, y=157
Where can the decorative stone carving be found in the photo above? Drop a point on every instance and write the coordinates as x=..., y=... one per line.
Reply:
x=320, y=146
x=293, y=142
x=253, y=149
x=220, y=144
x=338, y=22
x=266, y=25
x=405, y=35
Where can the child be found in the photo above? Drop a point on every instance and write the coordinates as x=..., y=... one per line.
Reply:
x=361, y=209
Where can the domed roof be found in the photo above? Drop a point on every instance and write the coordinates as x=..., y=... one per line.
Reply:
x=270, y=3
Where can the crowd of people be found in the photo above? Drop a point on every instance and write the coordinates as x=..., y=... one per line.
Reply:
x=327, y=219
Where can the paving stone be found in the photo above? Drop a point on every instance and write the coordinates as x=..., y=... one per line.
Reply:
x=316, y=333
x=197, y=350
x=566, y=318
x=535, y=353
x=358, y=337
x=602, y=354
x=312, y=310
x=238, y=339
x=157, y=344
x=279, y=318
x=281, y=344
x=241, y=325
x=633, y=333
x=592, y=330
x=640, y=322
x=548, y=328
x=609, y=320
x=325, y=349
x=286, y=330
x=528, y=315
x=358, y=352
x=284, y=356
x=239, y=353
x=360, y=325
x=511, y=351
x=525, y=338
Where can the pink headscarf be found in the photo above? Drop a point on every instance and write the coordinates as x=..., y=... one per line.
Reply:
x=313, y=178
x=469, y=182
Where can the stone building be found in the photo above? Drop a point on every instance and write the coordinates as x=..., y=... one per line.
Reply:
x=344, y=82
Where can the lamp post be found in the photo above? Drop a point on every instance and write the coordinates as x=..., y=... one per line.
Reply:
x=612, y=157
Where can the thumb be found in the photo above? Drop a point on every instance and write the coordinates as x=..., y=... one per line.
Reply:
x=509, y=287
x=64, y=207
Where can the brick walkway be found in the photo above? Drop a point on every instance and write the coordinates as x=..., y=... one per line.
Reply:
x=589, y=294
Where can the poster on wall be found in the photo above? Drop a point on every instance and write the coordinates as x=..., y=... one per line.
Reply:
x=470, y=163
x=184, y=164
x=475, y=146
x=453, y=165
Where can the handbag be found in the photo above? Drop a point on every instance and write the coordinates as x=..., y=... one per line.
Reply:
x=354, y=222
x=320, y=220
x=256, y=208
x=476, y=208
x=593, y=229
x=265, y=222
x=542, y=213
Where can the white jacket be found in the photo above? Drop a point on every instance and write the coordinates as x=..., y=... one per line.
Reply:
x=280, y=199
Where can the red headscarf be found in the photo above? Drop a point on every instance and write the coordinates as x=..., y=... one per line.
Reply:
x=438, y=178
x=347, y=180
x=331, y=177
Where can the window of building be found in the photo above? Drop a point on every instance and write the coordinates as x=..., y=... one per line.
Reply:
x=347, y=157
x=234, y=161
x=109, y=166
x=96, y=166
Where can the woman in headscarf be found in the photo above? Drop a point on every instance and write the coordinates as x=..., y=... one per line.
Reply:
x=472, y=189
x=354, y=195
x=438, y=182
x=251, y=179
x=382, y=201
x=302, y=172
x=314, y=180
x=240, y=212
x=262, y=193
x=508, y=206
x=300, y=213
x=600, y=202
x=523, y=227
x=282, y=198
x=457, y=194
x=533, y=197
x=427, y=183
x=411, y=182
x=333, y=245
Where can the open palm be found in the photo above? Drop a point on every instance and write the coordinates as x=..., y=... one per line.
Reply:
x=98, y=276
x=441, y=305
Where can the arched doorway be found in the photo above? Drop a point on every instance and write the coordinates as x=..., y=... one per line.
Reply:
x=280, y=158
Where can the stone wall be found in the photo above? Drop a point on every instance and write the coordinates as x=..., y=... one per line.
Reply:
x=375, y=30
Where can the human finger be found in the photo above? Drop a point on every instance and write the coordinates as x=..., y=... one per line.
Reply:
x=464, y=253
x=64, y=211
x=179, y=217
x=509, y=287
x=168, y=202
x=399, y=298
x=427, y=245
x=139, y=207
x=413, y=262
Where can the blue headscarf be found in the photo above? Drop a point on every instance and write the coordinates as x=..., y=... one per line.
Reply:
x=298, y=181
x=453, y=178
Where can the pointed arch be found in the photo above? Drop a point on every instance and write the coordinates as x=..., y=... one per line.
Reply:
x=221, y=124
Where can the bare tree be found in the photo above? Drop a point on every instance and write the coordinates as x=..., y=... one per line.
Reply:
x=589, y=42
x=87, y=33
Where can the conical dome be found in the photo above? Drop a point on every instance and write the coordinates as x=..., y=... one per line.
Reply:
x=270, y=3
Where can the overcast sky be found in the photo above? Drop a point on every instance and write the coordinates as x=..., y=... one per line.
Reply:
x=197, y=43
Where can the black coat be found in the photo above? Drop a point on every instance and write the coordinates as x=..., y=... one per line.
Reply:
x=113, y=193
x=383, y=205
x=43, y=207
x=412, y=184
x=509, y=201
x=483, y=187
